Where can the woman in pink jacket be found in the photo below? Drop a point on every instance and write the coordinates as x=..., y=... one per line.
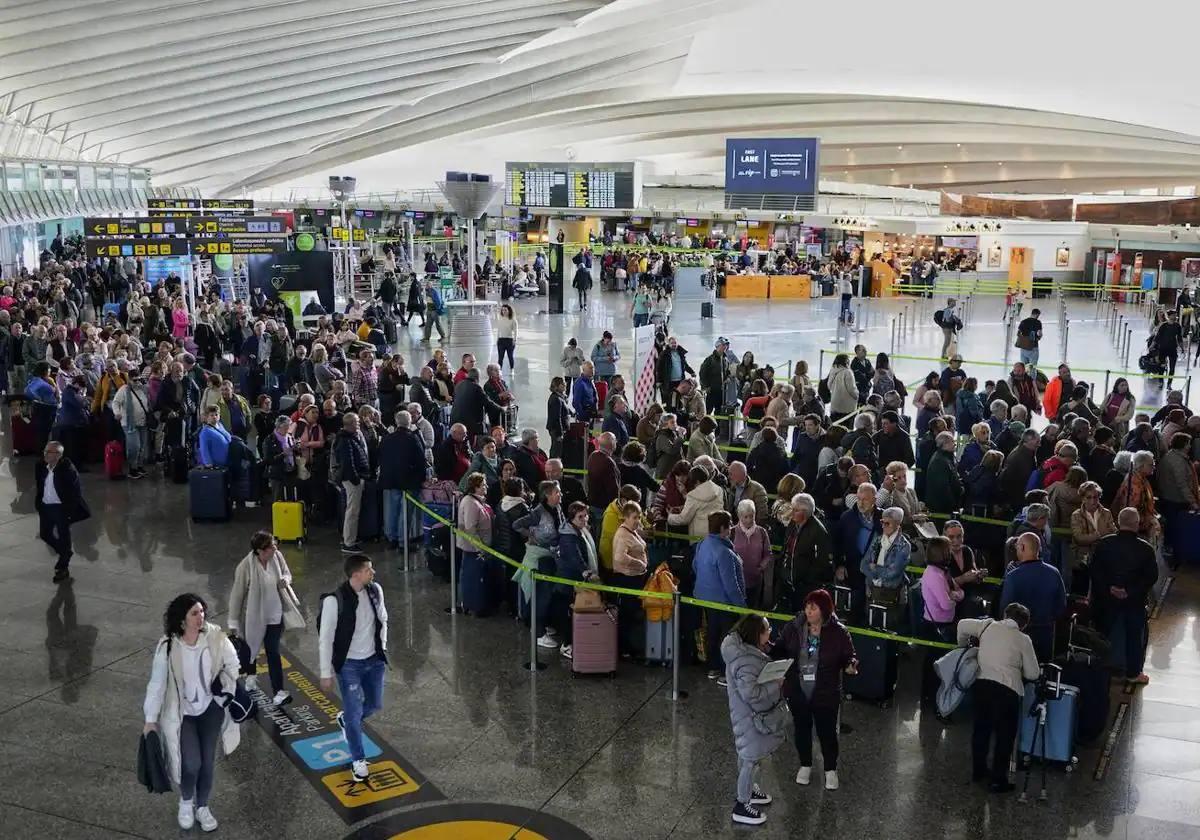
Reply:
x=752, y=544
x=179, y=320
x=940, y=595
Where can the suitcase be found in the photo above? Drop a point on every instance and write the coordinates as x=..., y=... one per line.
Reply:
x=208, y=494
x=876, y=677
x=287, y=521
x=1089, y=675
x=594, y=642
x=1062, y=719
x=114, y=460
x=391, y=332
x=509, y=418
x=437, y=549
x=370, y=514
x=22, y=434
x=475, y=586
x=660, y=641
x=574, y=446
x=1184, y=537
x=706, y=309
x=843, y=600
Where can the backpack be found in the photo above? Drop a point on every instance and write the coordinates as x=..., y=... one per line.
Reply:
x=321, y=607
x=939, y=317
x=823, y=391
x=335, y=463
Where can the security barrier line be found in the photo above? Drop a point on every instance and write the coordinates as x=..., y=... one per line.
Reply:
x=663, y=596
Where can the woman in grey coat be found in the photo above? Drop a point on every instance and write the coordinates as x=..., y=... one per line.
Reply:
x=757, y=711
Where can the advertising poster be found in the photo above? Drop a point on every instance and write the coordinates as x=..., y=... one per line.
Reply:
x=784, y=166
x=294, y=271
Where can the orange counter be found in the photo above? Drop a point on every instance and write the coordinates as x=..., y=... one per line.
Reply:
x=747, y=286
x=791, y=287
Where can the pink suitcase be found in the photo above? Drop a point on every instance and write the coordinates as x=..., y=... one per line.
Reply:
x=594, y=644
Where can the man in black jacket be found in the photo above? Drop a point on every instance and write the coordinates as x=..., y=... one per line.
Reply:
x=807, y=449
x=672, y=366
x=572, y=487
x=402, y=468
x=60, y=504
x=1124, y=571
x=831, y=487
x=807, y=558
x=891, y=441
x=472, y=405
x=1018, y=466
x=353, y=473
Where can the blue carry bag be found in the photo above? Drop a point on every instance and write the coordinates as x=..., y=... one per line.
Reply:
x=474, y=583
x=1062, y=719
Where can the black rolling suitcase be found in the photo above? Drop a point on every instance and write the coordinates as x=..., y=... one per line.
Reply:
x=574, y=447
x=875, y=681
x=391, y=332
x=208, y=494
x=370, y=514
x=706, y=309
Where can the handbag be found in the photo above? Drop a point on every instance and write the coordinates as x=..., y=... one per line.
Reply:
x=588, y=601
x=1024, y=341
x=293, y=618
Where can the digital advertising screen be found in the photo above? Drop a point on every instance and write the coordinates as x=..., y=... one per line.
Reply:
x=779, y=166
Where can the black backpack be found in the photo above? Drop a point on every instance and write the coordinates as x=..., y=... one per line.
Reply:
x=823, y=391
x=939, y=317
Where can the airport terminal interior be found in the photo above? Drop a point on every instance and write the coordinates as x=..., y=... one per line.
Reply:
x=301, y=162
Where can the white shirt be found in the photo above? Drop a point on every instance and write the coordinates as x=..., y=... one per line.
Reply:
x=50, y=494
x=197, y=676
x=506, y=327
x=268, y=583
x=1006, y=655
x=362, y=643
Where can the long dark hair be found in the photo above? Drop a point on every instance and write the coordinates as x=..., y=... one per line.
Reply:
x=176, y=614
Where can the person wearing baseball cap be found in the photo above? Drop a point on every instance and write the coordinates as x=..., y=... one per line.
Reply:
x=823, y=651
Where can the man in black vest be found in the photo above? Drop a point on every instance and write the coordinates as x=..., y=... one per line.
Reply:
x=352, y=640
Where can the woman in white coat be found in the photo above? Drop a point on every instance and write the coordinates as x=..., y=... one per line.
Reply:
x=257, y=604
x=179, y=702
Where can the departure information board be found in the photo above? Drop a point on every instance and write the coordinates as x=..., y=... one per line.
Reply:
x=583, y=186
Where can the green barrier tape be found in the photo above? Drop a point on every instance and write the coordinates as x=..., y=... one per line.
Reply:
x=920, y=570
x=1126, y=373
x=602, y=587
x=860, y=631
x=456, y=533
x=574, y=471
x=966, y=517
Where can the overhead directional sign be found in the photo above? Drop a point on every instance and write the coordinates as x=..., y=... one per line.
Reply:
x=105, y=226
x=237, y=224
x=223, y=244
x=173, y=203
x=360, y=235
x=136, y=247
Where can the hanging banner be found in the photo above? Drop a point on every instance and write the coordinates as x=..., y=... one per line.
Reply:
x=645, y=359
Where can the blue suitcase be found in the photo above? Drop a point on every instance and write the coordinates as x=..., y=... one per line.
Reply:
x=475, y=589
x=1183, y=535
x=1062, y=719
x=208, y=494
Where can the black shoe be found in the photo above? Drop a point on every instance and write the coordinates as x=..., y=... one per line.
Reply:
x=1001, y=787
x=351, y=549
x=747, y=814
x=60, y=575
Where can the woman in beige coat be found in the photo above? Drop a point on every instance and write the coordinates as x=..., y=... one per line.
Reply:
x=629, y=571
x=704, y=498
x=1089, y=524
x=257, y=603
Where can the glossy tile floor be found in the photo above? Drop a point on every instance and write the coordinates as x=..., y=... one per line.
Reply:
x=617, y=758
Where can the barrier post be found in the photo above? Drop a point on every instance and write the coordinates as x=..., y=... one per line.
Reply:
x=1187, y=389
x=1107, y=373
x=404, y=516
x=533, y=666
x=1128, y=341
x=858, y=324
x=1065, y=338
x=893, y=336
x=821, y=364
x=453, y=555
x=676, y=694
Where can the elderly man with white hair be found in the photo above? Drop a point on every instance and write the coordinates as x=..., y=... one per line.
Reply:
x=423, y=428
x=806, y=562
x=743, y=488
x=856, y=530
x=884, y=561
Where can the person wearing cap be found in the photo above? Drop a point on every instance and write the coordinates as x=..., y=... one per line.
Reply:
x=713, y=374
x=952, y=378
x=821, y=650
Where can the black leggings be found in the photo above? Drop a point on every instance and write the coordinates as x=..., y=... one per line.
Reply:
x=805, y=717
x=583, y=296
x=198, y=736
x=274, y=663
x=505, y=346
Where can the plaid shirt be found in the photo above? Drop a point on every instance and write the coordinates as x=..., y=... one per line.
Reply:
x=364, y=384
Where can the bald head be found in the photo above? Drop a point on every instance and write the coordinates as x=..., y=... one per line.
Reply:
x=1029, y=547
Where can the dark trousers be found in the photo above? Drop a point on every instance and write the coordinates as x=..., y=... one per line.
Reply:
x=504, y=347
x=54, y=528
x=198, y=736
x=712, y=401
x=583, y=297
x=274, y=663
x=560, y=614
x=937, y=633
x=1133, y=615
x=806, y=718
x=718, y=625
x=996, y=711
x=629, y=613
x=1172, y=357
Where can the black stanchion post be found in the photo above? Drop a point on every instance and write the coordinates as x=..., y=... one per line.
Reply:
x=676, y=694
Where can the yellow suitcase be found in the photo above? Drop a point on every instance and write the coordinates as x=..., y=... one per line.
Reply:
x=287, y=521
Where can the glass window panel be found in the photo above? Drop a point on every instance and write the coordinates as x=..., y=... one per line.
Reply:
x=87, y=177
x=121, y=178
x=14, y=177
x=33, y=177
x=104, y=177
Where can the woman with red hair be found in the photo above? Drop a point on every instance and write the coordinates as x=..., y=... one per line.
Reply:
x=822, y=649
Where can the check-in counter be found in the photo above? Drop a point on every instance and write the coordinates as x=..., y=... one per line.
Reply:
x=791, y=287
x=747, y=286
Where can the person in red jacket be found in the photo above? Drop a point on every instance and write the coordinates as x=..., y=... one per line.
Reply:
x=452, y=458
x=603, y=474
x=1056, y=468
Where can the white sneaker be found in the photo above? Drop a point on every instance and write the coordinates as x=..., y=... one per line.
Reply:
x=187, y=814
x=251, y=683
x=206, y=819
x=804, y=775
x=361, y=770
x=547, y=641
x=565, y=650
x=831, y=780
x=281, y=697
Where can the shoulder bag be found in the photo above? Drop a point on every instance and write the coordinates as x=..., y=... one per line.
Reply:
x=293, y=618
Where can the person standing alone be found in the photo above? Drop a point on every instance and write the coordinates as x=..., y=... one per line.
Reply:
x=352, y=643
x=60, y=504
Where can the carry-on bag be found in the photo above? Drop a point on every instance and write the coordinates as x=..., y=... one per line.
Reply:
x=208, y=494
x=22, y=434
x=660, y=641
x=114, y=460
x=287, y=520
x=1056, y=744
x=594, y=642
x=474, y=585
x=877, y=665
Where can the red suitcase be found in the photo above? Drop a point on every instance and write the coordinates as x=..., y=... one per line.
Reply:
x=594, y=642
x=24, y=440
x=114, y=459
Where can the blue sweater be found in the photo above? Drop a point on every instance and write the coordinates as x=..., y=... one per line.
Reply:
x=1038, y=586
x=214, y=445
x=719, y=572
x=39, y=390
x=583, y=399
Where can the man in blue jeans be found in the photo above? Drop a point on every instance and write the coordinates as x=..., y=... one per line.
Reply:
x=352, y=634
x=402, y=468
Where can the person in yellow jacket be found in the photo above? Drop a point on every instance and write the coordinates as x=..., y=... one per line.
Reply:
x=610, y=523
x=1057, y=389
x=107, y=387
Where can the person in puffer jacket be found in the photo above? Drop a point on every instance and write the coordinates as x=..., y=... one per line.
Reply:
x=757, y=712
x=703, y=498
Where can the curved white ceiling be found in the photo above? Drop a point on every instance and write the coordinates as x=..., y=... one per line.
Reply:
x=1024, y=97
